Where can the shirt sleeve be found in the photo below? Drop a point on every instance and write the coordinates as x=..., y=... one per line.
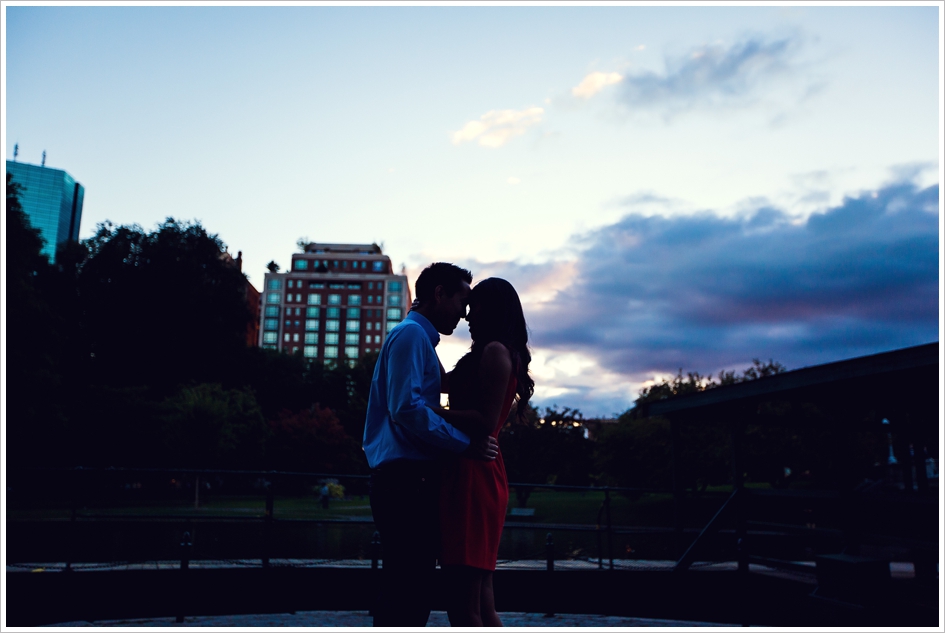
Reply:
x=407, y=407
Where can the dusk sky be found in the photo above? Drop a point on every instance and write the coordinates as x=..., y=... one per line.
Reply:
x=668, y=187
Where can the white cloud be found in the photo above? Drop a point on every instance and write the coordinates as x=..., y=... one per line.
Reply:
x=496, y=127
x=512, y=180
x=640, y=47
x=594, y=83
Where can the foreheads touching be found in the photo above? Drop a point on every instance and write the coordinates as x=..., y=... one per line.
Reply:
x=442, y=295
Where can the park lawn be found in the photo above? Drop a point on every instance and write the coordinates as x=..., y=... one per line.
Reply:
x=551, y=506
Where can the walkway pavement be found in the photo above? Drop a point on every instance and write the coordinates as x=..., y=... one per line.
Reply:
x=362, y=619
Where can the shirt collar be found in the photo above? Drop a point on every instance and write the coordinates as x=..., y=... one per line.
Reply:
x=424, y=322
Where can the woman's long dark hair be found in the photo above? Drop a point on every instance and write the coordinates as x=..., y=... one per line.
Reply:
x=500, y=318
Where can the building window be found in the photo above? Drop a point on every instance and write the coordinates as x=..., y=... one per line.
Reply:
x=352, y=326
x=390, y=325
x=295, y=350
x=331, y=339
x=286, y=337
x=370, y=285
x=351, y=352
x=333, y=313
x=331, y=351
x=331, y=325
x=335, y=263
x=275, y=284
x=311, y=313
x=394, y=286
x=315, y=284
x=351, y=339
x=271, y=324
x=311, y=325
x=334, y=300
x=301, y=264
x=296, y=323
x=298, y=298
x=370, y=299
x=378, y=267
x=368, y=325
x=290, y=283
x=377, y=338
x=393, y=300
x=336, y=286
x=272, y=297
x=354, y=300
x=377, y=325
x=314, y=299
x=353, y=313
x=270, y=337
x=354, y=286
x=393, y=314
x=288, y=323
x=380, y=300
x=272, y=311
x=295, y=337
x=310, y=351
x=311, y=338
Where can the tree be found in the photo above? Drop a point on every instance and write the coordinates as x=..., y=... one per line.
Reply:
x=161, y=308
x=35, y=414
x=311, y=440
x=206, y=425
x=546, y=449
x=637, y=451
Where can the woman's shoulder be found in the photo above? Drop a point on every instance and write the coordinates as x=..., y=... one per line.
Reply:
x=496, y=353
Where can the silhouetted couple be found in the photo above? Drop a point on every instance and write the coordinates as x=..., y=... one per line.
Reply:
x=438, y=483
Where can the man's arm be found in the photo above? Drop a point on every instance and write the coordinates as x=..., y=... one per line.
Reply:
x=404, y=386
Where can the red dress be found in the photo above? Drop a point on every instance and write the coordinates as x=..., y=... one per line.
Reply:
x=473, y=499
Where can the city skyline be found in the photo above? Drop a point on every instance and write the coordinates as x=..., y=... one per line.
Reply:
x=668, y=187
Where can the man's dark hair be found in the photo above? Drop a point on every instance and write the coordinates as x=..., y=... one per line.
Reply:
x=450, y=276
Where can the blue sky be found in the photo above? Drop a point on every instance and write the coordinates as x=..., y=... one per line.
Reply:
x=668, y=187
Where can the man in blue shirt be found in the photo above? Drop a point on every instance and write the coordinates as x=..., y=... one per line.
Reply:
x=404, y=441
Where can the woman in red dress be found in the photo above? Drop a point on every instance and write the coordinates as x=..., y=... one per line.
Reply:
x=474, y=494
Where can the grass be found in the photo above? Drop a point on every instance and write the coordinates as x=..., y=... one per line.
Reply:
x=551, y=506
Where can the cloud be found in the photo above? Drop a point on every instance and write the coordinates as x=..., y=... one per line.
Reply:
x=496, y=127
x=648, y=295
x=711, y=75
x=594, y=83
x=512, y=180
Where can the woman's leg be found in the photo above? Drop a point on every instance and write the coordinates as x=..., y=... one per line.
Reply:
x=463, y=594
x=487, y=602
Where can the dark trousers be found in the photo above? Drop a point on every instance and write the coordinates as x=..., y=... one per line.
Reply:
x=405, y=503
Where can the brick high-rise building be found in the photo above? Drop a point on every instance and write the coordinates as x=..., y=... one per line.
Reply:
x=337, y=301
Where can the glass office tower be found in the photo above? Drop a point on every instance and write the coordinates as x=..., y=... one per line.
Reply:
x=52, y=200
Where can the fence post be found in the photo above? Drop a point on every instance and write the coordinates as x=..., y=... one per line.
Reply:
x=73, y=515
x=375, y=549
x=185, y=545
x=610, y=532
x=375, y=556
x=600, y=545
x=267, y=526
x=738, y=485
x=549, y=591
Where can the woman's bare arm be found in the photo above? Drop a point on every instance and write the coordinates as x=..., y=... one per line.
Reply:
x=495, y=369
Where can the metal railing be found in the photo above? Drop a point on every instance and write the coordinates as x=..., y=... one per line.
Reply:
x=271, y=481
